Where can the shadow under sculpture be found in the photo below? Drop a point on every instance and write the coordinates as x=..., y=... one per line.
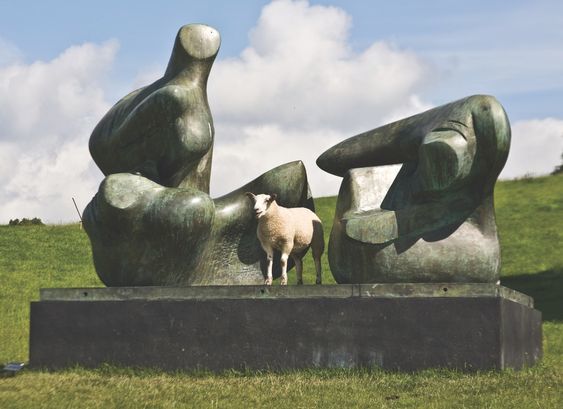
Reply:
x=152, y=221
x=436, y=223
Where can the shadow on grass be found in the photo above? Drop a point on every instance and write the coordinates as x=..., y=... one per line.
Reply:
x=545, y=287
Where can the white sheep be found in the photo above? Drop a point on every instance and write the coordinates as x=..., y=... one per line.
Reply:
x=289, y=230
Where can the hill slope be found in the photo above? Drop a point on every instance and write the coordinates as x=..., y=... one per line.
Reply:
x=530, y=219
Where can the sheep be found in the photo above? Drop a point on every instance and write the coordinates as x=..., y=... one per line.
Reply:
x=291, y=231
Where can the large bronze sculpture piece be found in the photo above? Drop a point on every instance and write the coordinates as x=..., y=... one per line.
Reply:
x=436, y=223
x=152, y=221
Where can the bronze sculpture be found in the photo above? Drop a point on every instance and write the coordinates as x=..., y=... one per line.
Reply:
x=436, y=223
x=152, y=221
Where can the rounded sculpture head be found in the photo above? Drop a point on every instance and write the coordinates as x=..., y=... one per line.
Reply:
x=199, y=40
x=195, y=43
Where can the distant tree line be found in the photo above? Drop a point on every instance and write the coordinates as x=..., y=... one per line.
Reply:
x=26, y=222
x=558, y=169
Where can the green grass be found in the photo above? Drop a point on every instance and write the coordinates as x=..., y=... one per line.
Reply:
x=34, y=257
x=121, y=388
x=530, y=219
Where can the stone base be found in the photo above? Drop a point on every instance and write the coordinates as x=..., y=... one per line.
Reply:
x=393, y=326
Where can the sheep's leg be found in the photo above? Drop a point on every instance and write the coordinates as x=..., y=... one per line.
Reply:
x=318, y=246
x=283, y=260
x=270, y=257
x=319, y=270
x=298, y=269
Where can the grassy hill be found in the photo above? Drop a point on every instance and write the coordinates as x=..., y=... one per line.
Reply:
x=530, y=219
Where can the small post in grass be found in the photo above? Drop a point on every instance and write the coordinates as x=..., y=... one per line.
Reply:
x=77, y=211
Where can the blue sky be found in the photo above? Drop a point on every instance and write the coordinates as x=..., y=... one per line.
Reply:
x=509, y=49
x=394, y=59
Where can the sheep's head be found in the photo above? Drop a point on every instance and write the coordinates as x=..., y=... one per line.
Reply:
x=261, y=203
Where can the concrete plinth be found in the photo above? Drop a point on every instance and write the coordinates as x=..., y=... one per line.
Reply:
x=393, y=326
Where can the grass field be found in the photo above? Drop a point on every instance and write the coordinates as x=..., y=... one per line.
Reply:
x=530, y=219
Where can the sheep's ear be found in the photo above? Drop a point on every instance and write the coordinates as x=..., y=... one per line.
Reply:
x=273, y=197
x=250, y=195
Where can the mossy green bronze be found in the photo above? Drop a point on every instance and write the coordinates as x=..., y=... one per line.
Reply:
x=436, y=223
x=152, y=221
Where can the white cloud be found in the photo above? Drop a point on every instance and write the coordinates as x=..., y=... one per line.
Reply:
x=299, y=88
x=299, y=71
x=47, y=111
x=260, y=148
x=9, y=53
x=536, y=147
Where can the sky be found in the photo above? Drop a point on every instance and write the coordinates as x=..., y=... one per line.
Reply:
x=292, y=78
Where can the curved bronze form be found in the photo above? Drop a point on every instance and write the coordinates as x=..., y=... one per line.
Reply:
x=152, y=221
x=436, y=222
x=165, y=130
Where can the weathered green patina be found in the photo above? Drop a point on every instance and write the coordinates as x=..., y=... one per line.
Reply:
x=165, y=130
x=152, y=221
x=436, y=223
